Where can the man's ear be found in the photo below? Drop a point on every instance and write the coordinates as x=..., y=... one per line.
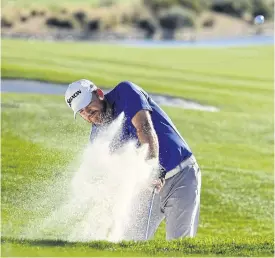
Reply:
x=100, y=94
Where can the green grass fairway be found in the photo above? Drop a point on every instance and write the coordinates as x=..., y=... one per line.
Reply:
x=234, y=147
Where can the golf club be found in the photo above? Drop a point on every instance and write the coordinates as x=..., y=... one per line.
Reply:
x=150, y=212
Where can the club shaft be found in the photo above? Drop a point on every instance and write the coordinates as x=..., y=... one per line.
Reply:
x=150, y=212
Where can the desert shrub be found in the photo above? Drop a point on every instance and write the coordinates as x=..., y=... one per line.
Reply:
x=93, y=25
x=66, y=24
x=34, y=12
x=232, y=7
x=131, y=15
x=125, y=18
x=125, y=12
x=52, y=21
x=42, y=13
x=104, y=18
x=80, y=16
x=149, y=25
x=111, y=18
x=135, y=16
x=59, y=23
x=176, y=17
x=263, y=7
x=141, y=17
x=23, y=18
x=197, y=6
x=6, y=23
x=64, y=11
x=158, y=5
x=208, y=23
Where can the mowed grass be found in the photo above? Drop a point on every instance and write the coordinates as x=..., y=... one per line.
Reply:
x=234, y=147
x=235, y=79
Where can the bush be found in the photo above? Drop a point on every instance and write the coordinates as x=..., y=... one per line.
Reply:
x=176, y=17
x=64, y=11
x=197, y=6
x=208, y=23
x=157, y=5
x=24, y=18
x=93, y=25
x=58, y=23
x=80, y=16
x=125, y=18
x=34, y=12
x=42, y=13
x=5, y=23
x=263, y=7
x=232, y=7
x=148, y=25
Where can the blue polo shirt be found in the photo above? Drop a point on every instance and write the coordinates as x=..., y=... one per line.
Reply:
x=129, y=98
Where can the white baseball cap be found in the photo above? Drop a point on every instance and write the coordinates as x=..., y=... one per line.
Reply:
x=79, y=94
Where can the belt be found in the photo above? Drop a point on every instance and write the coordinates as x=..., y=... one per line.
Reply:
x=189, y=161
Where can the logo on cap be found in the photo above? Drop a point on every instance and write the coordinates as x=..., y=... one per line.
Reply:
x=69, y=100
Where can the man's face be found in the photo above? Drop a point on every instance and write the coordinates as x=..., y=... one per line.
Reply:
x=95, y=112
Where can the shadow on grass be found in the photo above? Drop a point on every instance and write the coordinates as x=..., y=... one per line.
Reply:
x=51, y=242
x=198, y=246
x=42, y=242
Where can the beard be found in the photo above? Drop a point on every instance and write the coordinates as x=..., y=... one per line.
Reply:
x=106, y=116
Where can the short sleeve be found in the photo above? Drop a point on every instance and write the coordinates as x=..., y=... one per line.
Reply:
x=134, y=99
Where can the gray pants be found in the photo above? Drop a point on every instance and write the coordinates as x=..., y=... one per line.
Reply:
x=178, y=202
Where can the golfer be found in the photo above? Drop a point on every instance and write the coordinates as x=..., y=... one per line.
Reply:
x=178, y=186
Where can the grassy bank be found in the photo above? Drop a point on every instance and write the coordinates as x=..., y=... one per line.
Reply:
x=234, y=146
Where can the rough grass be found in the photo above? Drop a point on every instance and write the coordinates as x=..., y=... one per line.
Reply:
x=234, y=147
